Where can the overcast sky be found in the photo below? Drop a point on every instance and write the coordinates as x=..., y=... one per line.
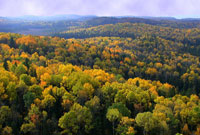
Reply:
x=177, y=8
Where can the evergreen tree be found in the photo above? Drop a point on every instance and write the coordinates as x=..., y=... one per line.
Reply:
x=5, y=64
x=12, y=42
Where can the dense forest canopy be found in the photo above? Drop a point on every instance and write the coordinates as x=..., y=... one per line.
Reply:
x=119, y=78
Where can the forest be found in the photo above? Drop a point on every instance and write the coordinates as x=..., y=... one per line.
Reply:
x=54, y=25
x=102, y=78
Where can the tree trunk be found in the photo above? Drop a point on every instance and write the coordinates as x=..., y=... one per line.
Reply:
x=144, y=132
x=113, y=128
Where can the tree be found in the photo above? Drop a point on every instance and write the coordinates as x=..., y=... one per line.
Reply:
x=3, y=94
x=77, y=121
x=7, y=131
x=68, y=100
x=29, y=98
x=194, y=116
x=121, y=108
x=20, y=70
x=112, y=115
x=34, y=114
x=109, y=93
x=197, y=131
x=36, y=89
x=93, y=104
x=125, y=127
x=147, y=121
x=48, y=101
x=11, y=91
x=26, y=79
x=56, y=80
x=28, y=128
x=27, y=63
x=5, y=115
x=5, y=65
x=12, y=43
x=186, y=130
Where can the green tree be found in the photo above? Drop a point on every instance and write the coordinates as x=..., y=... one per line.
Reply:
x=11, y=91
x=194, y=116
x=28, y=128
x=94, y=104
x=36, y=89
x=26, y=78
x=121, y=108
x=48, y=101
x=56, y=80
x=112, y=115
x=29, y=98
x=5, y=115
x=20, y=70
x=77, y=121
x=147, y=121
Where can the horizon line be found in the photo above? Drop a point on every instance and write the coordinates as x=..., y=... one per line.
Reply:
x=148, y=17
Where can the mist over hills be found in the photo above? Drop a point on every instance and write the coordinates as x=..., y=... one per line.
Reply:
x=50, y=18
x=49, y=25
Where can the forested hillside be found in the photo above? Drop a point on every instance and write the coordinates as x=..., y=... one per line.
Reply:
x=151, y=52
x=144, y=80
x=53, y=25
x=134, y=30
x=157, y=21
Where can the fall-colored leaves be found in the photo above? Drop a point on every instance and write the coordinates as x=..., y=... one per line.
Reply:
x=147, y=84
